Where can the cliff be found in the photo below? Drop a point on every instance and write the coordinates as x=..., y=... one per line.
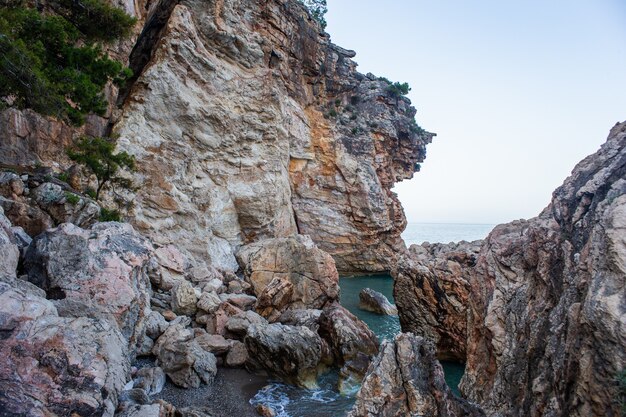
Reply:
x=248, y=123
x=541, y=308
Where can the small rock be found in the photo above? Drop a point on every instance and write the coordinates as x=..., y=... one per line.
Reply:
x=184, y=298
x=151, y=380
x=370, y=300
x=243, y=301
x=169, y=315
x=265, y=411
x=214, y=343
x=237, y=355
x=209, y=302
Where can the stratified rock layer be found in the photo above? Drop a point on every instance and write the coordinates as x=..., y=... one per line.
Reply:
x=432, y=291
x=405, y=379
x=546, y=307
x=248, y=124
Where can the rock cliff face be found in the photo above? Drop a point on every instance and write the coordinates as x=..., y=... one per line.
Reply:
x=545, y=300
x=248, y=124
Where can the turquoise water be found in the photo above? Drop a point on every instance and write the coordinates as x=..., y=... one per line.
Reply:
x=289, y=401
x=386, y=327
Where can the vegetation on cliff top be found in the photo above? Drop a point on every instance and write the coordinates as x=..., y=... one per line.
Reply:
x=52, y=61
x=318, y=9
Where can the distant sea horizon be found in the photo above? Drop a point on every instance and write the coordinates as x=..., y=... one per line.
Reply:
x=417, y=232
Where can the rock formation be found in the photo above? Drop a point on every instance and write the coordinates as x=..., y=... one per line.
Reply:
x=432, y=291
x=405, y=379
x=240, y=150
x=544, y=299
x=370, y=300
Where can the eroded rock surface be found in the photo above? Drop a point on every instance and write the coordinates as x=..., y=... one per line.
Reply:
x=289, y=273
x=544, y=299
x=267, y=131
x=370, y=300
x=100, y=272
x=432, y=291
x=406, y=379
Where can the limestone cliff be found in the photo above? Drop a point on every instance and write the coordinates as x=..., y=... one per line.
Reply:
x=543, y=301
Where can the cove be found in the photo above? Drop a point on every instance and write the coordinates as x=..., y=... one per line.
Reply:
x=290, y=401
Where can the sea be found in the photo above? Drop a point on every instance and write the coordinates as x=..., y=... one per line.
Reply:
x=326, y=401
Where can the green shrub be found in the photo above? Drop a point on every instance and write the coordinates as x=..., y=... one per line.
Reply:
x=384, y=79
x=91, y=192
x=110, y=215
x=333, y=113
x=53, y=63
x=354, y=100
x=398, y=89
x=96, y=154
x=353, y=117
x=337, y=102
x=63, y=176
x=355, y=130
x=318, y=9
x=71, y=198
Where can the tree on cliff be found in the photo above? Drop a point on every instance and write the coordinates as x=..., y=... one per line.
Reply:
x=51, y=59
x=318, y=9
x=96, y=154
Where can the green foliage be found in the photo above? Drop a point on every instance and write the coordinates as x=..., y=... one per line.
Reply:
x=333, y=113
x=354, y=100
x=71, y=198
x=318, y=9
x=384, y=79
x=398, y=89
x=52, y=63
x=110, y=215
x=63, y=176
x=337, y=102
x=96, y=154
x=91, y=192
x=415, y=128
x=353, y=117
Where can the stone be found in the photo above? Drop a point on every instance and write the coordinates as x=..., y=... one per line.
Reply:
x=181, y=357
x=308, y=318
x=98, y=273
x=184, y=298
x=169, y=315
x=237, y=355
x=370, y=300
x=290, y=353
x=432, y=291
x=155, y=324
x=134, y=396
x=172, y=265
x=406, y=379
x=9, y=249
x=351, y=342
x=151, y=380
x=151, y=410
x=43, y=355
x=242, y=301
x=289, y=273
x=209, y=302
x=214, y=343
x=265, y=411
x=239, y=324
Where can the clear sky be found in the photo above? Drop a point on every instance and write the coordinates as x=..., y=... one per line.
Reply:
x=518, y=91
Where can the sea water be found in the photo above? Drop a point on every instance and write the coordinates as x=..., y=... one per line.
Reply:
x=290, y=401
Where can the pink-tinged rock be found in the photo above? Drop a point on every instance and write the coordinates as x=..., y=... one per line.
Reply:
x=99, y=272
x=52, y=365
x=289, y=273
x=406, y=379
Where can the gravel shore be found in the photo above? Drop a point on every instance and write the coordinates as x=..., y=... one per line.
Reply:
x=228, y=396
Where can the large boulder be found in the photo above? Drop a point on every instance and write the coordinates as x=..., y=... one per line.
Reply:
x=370, y=300
x=351, y=342
x=289, y=273
x=182, y=358
x=432, y=291
x=100, y=273
x=406, y=379
x=54, y=365
x=290, y=353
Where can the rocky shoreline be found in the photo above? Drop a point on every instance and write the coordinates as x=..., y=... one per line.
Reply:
x=265, y=164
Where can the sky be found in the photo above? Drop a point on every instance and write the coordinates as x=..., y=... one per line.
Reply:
x=518, y=92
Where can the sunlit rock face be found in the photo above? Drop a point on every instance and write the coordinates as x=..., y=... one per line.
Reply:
x=249, y=124
x=544, y=299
